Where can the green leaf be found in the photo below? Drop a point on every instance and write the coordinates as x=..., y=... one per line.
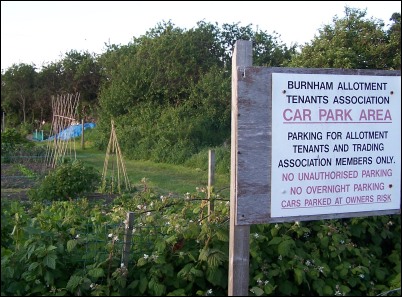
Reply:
x=274, y=231
x=73, y=283
x=8, y=271
x=156, y=287
x=33, y=266
x=160, y=246
x=324, y=242
x=318, y=285
x=268, y=289
x=50, y=261
x=352, y=281
x=142, y=261
x=51, y=248
x=178, y=292
x=30, y=251
x=71, y=244
x=343, y=273
x=344, y=289
x=192, y=257
x=96, y=272
x=275, y=240
x=172, y=239
x=327, y=291
x=185, y=271
x=40, y=252
x=49, y=277
x=196, y=272
x=133, y=284
x=299, y=275
x=380, y=273
x=203, y=256
x=29, y=276
x=143, y=284
x=257, y=291
x=285, y=287
x=214, y=276
x=215, y=258
x=222, y=235
x=285, y=246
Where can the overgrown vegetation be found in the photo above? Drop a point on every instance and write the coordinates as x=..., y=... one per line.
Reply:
x=67, y=181
x=12, y=141
x=75, y=248
x=14, y=146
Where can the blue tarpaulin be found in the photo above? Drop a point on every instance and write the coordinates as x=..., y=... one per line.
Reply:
x=72, y=131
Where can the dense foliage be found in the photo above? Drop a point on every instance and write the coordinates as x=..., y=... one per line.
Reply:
x=75, y=248
x=170, y=97
x=354, y=43
x=14, y=144
x=169, y=90
x=67, y=181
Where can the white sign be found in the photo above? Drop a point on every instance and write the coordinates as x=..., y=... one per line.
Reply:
x=336, y=144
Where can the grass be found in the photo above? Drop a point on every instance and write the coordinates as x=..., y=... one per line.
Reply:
x=163, y=178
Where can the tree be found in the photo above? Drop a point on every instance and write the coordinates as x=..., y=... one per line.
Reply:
x=352, y=42
x=394, y=36
x=49, y=83
x=169, y=90
x=17, y=91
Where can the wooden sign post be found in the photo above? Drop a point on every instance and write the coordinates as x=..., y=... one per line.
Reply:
x=309, y=144
x=239, y=236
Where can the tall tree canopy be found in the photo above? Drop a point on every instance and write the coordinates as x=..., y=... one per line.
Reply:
x=394, y=36
x=352, y=42
x=183, y=77
x=169, y=90
x=17, y=92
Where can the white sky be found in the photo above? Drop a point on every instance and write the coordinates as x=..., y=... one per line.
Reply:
x=37, y=32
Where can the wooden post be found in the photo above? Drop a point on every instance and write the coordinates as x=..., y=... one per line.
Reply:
x=211, y=178
x=82, y=134
x=4, y=122
x=128, y=235
x=239, y=236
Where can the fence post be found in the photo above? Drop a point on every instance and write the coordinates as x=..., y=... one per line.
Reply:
x=128, y=234
x=82, y=134
x=3, y=126
x=211, y=178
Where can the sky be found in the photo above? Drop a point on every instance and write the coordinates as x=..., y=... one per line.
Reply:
x=41, y=32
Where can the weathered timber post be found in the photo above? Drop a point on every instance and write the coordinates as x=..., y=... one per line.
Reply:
x=239, y=236
x=128, y=235
x=82, y=134
x=211, y=180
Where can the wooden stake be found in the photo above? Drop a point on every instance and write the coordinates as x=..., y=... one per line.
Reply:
x=211, y=178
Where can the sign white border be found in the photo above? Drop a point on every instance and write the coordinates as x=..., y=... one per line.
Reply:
x=336, y=144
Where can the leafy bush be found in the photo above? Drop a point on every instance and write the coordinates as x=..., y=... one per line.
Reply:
x=12, y=143
x=75, y=248
x=67, y=181
x=25, y=128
